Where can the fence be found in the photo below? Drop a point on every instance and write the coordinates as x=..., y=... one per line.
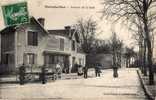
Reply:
x=42, y=73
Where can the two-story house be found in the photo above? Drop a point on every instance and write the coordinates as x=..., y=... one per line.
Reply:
x=64, y=48
x=31, y=44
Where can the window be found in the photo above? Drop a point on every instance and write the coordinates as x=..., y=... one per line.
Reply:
x=30, y=58
x=51, y=59
x=61, y=44
x=73, y=45
x=32, y=38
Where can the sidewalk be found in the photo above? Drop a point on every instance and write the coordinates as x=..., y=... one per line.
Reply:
x=125, y=87
x=150, y=90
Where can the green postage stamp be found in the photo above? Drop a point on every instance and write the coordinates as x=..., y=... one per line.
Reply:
x=15, y=14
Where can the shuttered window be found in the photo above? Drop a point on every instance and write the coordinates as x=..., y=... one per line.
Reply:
x=62, y=44
x=32, y=38
x=30, y=58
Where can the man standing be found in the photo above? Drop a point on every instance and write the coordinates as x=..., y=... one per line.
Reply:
x=58, y=70
x=115, y=70
x=80, y=70
x=97, y=70
x=85, y=70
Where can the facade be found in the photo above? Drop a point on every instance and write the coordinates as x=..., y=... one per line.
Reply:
x=32, y=45
x=64, y=47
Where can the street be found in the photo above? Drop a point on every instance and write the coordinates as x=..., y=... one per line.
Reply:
x=125, y=87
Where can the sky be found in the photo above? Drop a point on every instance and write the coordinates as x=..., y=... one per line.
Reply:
x=60, y=13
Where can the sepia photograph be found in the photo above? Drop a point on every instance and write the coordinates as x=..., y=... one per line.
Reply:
x=77, y=50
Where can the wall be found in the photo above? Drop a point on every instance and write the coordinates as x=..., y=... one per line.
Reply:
x=8, y=47
x=23, y=47
x=54, y=44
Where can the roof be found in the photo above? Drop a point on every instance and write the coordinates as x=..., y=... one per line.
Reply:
x=8, y=29
x=61, y=32
x=66, y=33
x=13, y=28
x=40, y=25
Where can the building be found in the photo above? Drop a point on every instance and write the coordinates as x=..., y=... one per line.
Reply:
x=65, y=47
x=31, y=44
x=105, y=60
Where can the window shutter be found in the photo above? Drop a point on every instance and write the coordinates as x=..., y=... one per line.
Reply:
x=35, y=39
x=35, y=58
x=62, y=44
x=30, y=38
x=25, y=59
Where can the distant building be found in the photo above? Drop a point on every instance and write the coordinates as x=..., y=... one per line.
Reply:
x=32, y=45
x=105, y=60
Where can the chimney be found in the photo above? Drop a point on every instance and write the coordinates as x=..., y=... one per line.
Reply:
x=68, y=30
x=41, y=21
x=67, y=27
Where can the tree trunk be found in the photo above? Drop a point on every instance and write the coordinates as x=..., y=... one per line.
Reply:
x=141, y=57
x=151, y=74
x=149, y=53
x=144, y=59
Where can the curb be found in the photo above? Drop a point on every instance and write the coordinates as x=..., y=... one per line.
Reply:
x=147, y=92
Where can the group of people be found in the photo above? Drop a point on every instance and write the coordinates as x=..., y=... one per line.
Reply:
x=81, y=70
x=84, y=71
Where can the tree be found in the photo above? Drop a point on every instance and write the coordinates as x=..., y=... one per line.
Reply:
x=137, y=28
x=101, y=46
x=129, y=55
x=87, y=29
x=128, y=9
x=116, y=45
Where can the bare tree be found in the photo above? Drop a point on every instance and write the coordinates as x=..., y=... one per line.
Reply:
x=137, y=28
x=87, y=31
x=128, y=55
x=102, y=46
x=116, y=45
x=128, y=9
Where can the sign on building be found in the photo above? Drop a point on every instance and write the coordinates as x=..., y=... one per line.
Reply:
x=15, y=14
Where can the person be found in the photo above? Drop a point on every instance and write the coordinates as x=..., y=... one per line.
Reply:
x=22, y=71
x=115, y=70
x=80, y=72
x=85, y=70
x=97, y=70
x=43, y=75
x=66, y=70
x=58, y=70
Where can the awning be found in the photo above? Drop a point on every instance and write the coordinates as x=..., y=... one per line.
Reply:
x=53, y=52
